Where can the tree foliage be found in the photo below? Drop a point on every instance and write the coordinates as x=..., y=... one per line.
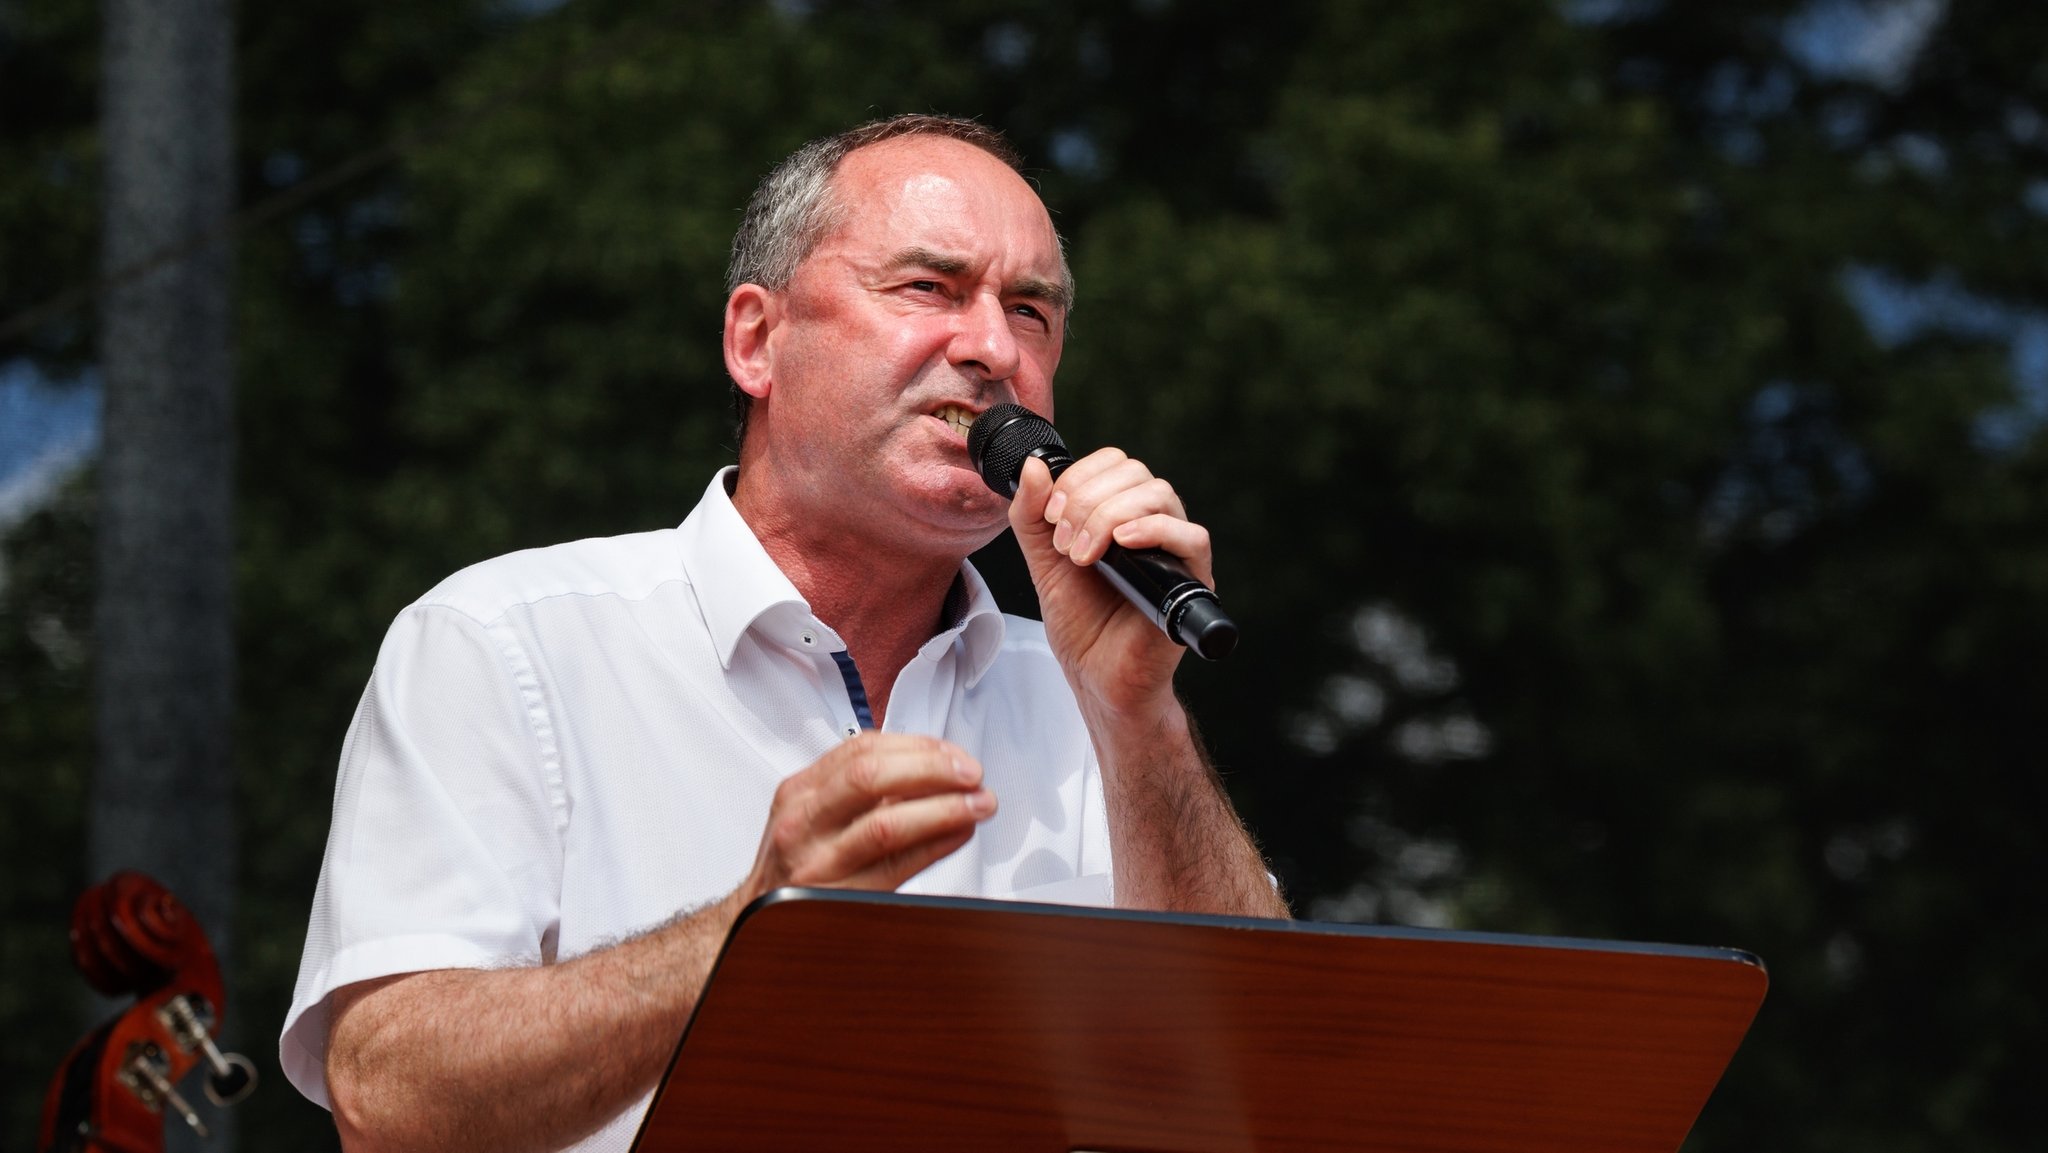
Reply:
x=1608, y=414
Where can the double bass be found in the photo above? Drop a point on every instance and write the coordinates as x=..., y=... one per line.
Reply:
x=113, y=1093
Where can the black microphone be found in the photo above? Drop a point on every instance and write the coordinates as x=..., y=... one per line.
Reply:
x=1006, y=436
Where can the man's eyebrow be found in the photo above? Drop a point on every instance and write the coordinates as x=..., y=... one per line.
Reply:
x=1030, y=287
x=1037, y=288
x=926, y=258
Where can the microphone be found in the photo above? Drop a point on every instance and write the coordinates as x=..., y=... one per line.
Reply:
x=1006, y=436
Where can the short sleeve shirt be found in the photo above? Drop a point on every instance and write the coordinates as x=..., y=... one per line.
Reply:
x=562, y=747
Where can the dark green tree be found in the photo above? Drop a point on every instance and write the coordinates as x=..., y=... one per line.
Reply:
x=49, y=68
x=1683, y=601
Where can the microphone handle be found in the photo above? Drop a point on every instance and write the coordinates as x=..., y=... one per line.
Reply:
x=1159, y=583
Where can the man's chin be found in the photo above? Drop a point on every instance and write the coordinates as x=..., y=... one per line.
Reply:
x=961, y=503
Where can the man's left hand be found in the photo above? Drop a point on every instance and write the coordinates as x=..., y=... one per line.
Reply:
x=1116, y=657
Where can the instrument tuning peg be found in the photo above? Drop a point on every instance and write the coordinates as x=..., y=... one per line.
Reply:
x=144, y=1074
x=231, y=1078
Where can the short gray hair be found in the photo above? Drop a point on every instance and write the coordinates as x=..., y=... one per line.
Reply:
x=793, y=207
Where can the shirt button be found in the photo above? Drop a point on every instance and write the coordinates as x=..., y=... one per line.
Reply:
x=808, y=637
x=851, y=730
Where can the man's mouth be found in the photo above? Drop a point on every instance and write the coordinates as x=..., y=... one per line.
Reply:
x=960, y=418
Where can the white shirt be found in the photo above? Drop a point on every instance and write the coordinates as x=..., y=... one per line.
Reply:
x=565, y=746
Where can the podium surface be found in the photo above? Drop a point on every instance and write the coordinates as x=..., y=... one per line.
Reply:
x=857, y=1021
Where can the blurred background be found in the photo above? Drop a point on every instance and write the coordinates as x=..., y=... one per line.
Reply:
x=1621, y=423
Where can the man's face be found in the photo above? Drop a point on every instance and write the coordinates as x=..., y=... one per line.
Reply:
x=939, y=294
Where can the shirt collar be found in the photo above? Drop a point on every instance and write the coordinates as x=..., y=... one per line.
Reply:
x=738, y=583
x=735, y=579
x=979, y=629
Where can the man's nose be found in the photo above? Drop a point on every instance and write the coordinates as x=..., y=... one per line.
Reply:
x=982, y=339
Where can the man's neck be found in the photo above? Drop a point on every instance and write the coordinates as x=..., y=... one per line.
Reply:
x=884, y=607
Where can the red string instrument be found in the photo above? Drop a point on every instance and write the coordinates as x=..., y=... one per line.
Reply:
x=129, y=935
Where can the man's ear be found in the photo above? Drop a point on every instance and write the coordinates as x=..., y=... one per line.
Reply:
x=751, y=314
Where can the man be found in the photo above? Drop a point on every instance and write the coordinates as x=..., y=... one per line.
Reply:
x=574, y=767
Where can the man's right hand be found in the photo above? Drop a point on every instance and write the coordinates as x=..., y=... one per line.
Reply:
x=870, y=814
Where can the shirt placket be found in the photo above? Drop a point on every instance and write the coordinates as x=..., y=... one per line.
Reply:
x=849, y=707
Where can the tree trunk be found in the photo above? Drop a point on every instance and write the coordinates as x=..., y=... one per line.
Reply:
x=162, y=799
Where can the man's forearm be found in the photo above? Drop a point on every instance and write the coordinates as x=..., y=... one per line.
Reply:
x=1176, y=839
x=515, y=1059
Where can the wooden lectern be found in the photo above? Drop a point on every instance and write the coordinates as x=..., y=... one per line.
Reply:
x=852, y=1021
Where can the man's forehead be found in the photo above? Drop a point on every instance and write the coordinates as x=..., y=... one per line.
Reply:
x=936, y=197
x=933, y=173
x=940, y=156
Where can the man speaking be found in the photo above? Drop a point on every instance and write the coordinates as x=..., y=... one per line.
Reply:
x=574, y=766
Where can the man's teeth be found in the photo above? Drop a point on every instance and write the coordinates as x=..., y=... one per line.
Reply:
x=961, y=419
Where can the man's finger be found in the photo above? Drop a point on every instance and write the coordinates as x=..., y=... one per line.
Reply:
x=881, y=843
x=889, y=873
x=1086, y=470
x=867, y=769
x=1184, y=539
x=1027, y=507
x=1088, y=538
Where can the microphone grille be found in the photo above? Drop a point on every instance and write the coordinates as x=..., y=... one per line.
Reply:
x=1003, y=438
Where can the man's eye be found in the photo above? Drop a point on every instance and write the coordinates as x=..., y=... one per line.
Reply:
x=925, y=285
x=1027, y=310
